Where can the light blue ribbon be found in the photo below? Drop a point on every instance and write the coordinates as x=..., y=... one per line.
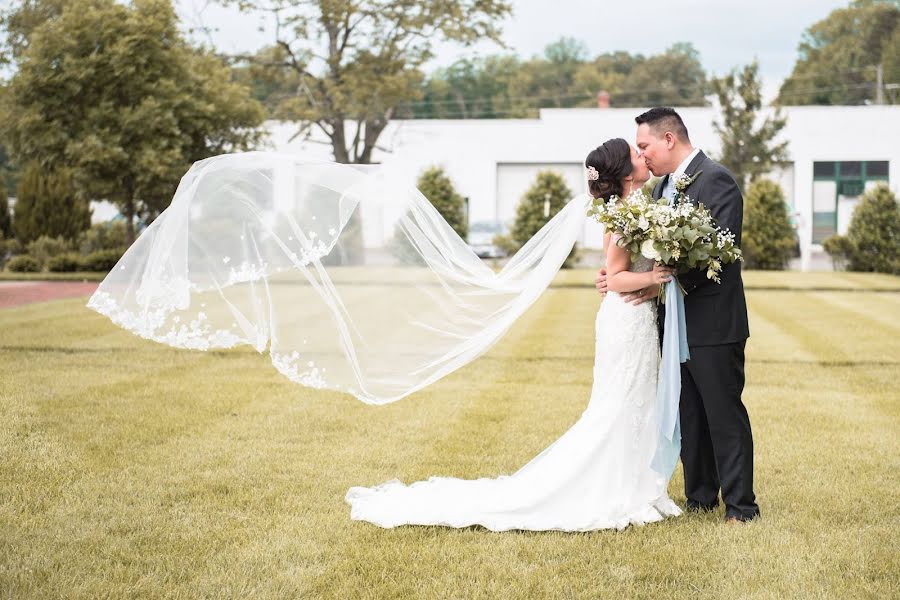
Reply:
x=668, y=390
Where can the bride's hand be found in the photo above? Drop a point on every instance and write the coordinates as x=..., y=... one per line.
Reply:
x=661, y=274
x=600, y=282
x=641, y=296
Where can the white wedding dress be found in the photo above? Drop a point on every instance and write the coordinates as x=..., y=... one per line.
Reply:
x=598, y=475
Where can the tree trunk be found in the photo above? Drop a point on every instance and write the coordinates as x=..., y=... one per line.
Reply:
x=373, y=132
x=339, y=141
x=128, y=213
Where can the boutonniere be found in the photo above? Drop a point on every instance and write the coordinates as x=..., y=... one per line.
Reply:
x=684, y=181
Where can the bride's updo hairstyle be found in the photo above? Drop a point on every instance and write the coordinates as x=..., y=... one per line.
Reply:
x=612, y=160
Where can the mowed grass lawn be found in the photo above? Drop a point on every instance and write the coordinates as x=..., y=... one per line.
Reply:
x=131, y=470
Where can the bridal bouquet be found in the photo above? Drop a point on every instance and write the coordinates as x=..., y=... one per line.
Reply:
x=683, y=236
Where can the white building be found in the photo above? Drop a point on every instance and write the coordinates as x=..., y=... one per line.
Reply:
x=835, y=154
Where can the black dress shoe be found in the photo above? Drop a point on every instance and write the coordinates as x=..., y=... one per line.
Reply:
x=741, y=518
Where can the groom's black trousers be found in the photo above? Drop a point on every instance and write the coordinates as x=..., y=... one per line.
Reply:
x=716, y=441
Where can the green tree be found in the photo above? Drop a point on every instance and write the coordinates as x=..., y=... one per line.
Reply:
x=8, y=171
x=47, y=205
x=548, y=81
x=606, y=72
x=872, y=242
x=838, y=56
x=768, y=240
x=21, y=19
x=103, y=236
x=566, y=51
x=748, y=150
x=5, y=217
x=890, y=62
x=265, y=76
x=4, y=249
x=503, y=86
x=116, y=94
x=358, y=60
x=673, y=78
x=471, y=88
x=547, y=196
x=46, y=247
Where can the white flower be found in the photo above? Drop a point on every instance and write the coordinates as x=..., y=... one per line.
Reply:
x=684, y=180
x=643, y=223
x=649, y=251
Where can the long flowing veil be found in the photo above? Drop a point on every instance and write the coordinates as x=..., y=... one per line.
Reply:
x=348, y=276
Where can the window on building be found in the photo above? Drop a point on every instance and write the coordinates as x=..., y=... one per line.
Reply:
x=877, y=168
x=824, y=169
x=837, y=187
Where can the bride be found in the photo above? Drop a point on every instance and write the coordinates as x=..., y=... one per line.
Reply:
x=598, y=475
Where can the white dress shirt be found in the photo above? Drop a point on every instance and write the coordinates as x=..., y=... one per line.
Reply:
x=669, y=192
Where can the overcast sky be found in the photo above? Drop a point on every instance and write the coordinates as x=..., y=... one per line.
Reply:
x=726, y=33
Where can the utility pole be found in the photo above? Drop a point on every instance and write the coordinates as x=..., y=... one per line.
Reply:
x=879, y=84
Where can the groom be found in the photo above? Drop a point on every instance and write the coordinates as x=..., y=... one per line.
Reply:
x=717, y=444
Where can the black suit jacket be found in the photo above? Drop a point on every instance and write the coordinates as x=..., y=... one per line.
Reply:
x=715, y=313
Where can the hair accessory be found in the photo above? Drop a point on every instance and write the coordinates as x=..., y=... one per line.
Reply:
x=592, y=174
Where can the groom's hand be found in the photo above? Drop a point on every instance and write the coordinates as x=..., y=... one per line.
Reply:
x=600, y=282
x=641, y=296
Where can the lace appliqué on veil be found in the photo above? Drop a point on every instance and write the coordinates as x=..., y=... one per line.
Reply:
x=196, y=334
x=292, y=366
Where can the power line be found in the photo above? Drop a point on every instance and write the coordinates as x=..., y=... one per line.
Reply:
x=467, y=100
x=502, y=110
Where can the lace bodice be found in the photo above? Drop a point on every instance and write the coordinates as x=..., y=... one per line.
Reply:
x=641, y=264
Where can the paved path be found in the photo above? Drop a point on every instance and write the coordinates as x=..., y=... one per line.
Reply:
x=16, y=293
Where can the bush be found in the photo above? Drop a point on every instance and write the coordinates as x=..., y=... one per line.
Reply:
x=24, y=264
x=5, y=216
x=872, y=242
x=402, y=247
x=505, y=243
x=14, y=246
x=768, y=240
x=65, y=263
x=840, y=248
x=45, y=247
x=103, y=236
x=4, y=248
x=874, y=232
x=437, y=188
x=47, y=204
x=530, y=211
x=101, y=260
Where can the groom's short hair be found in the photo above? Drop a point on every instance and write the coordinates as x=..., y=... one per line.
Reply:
x=662, y=119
